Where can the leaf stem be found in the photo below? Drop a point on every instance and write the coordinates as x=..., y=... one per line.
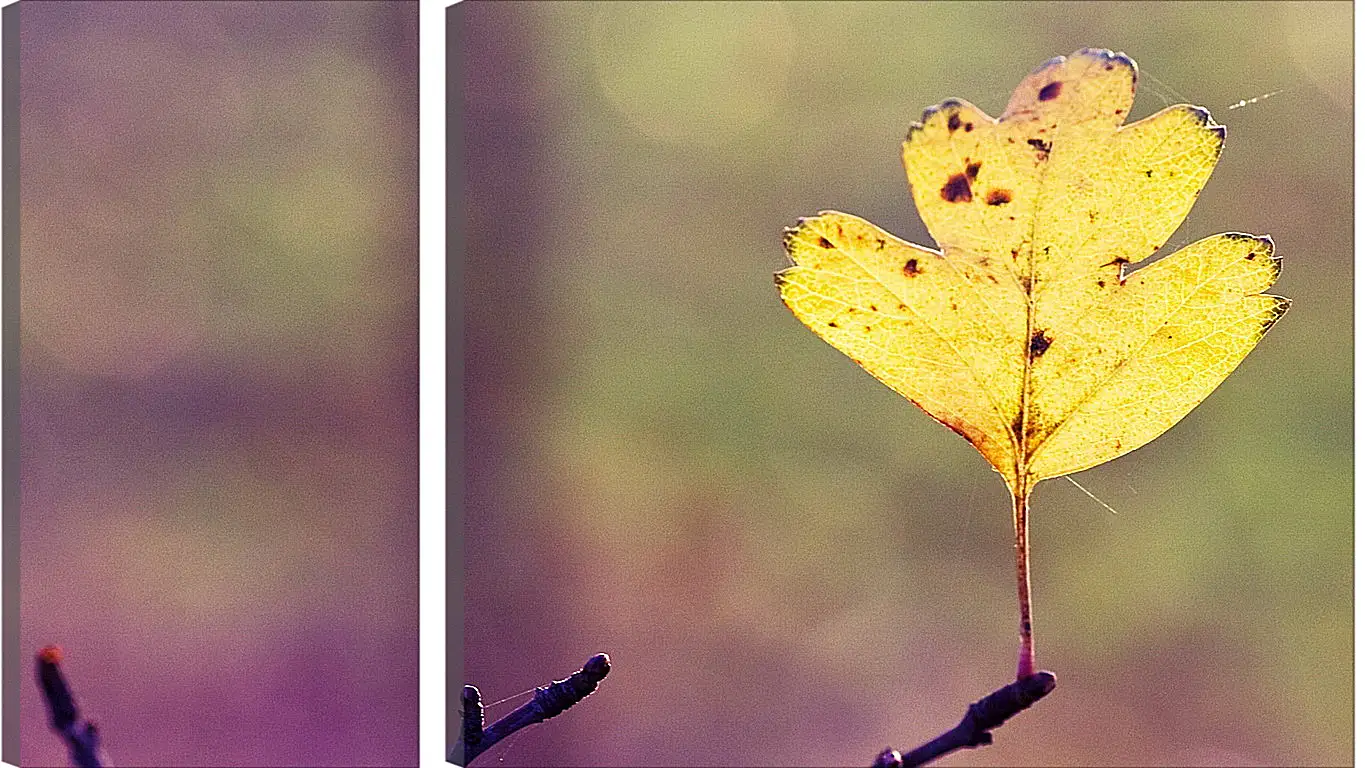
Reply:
x=1026, y=660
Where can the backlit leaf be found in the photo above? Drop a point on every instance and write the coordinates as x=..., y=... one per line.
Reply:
x=1026, y=331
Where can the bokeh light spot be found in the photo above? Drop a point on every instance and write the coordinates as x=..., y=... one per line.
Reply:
x=693, y=73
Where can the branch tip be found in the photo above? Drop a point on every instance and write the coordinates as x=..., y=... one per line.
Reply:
x=471, y=718
x=82, y=738
x=598, y=666
x=549, y=701
x=982, y=716
x=889, y=758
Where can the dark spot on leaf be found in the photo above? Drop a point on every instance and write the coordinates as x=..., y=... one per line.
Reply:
x=1149, y=173
x=824, y=243
x=872, y=307
x=998, y=197
x=1044, y=148
x=833, y=324
x=1117, y=260
x=1100, y=282
x=1038, y=344
x=1250, y=256
x=851, y=310
x=1109, y=66
x=911, y=268
x=880, y=243
x=957, y=190
x=952, y=305
x=901, y=307
x=1014, y=252
x=954, y=122
x=867, y=329
x=1093, y=215
x=1027, y=283
x=1049, y=91
x=968, y=127
x=972, y=169
x=1018, y=425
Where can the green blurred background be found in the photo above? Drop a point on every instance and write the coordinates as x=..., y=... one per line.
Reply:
x=219, y=377
x=789, y=564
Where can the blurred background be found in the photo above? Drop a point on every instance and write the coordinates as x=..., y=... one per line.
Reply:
x=219, y=377
x=788, y=563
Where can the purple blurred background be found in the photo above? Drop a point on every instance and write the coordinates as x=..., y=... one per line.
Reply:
x=219, y=377
x=788, y=563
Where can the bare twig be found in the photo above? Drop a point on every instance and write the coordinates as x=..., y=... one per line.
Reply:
x=548, y=702
x=81, y=737
x=975, y=728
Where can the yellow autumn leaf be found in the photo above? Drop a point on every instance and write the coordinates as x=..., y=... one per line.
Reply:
x=1026, y=331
